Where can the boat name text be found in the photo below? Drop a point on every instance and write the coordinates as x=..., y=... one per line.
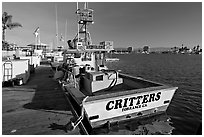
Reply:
x=133, y=102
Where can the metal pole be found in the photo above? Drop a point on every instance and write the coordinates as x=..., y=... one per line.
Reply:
x=77, y=23
x=65, y=35
x=56, y=25
x=38, y=39
x=85, y=35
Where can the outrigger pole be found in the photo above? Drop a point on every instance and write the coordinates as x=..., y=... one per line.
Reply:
x=65, y=35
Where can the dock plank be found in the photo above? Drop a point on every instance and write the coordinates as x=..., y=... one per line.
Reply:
x=37, y=108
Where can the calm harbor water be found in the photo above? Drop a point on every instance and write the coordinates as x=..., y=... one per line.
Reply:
x=184, y=71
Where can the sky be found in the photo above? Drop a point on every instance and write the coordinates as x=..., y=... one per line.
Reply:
x=157, y=24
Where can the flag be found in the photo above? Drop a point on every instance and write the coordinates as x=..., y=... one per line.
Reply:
x=36, y=32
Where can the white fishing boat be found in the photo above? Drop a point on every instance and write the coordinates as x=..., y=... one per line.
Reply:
x=99, y=96
x=17, y=66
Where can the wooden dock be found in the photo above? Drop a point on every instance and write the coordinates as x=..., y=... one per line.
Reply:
x=37, y=108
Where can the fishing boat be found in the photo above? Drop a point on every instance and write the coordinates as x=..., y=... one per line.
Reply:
x=17, y=64
x=98, y=96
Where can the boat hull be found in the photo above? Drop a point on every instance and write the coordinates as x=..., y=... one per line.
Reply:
x=149, y=98
x=112, y=109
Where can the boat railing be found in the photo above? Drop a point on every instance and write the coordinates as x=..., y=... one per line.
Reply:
x=81, y=117
x=8, y=70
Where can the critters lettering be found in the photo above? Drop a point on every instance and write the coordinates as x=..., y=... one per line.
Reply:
x=133, y=102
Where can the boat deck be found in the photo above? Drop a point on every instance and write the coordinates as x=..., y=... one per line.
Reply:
x=39, y=107
x=130, y=83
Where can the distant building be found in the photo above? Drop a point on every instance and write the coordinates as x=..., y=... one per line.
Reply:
x=40, y=46
x=146, y=49
x=185, y=50
x=9, y=46
x=175, y=49
x=197, y=50
x=130, y=49
x=39, y=49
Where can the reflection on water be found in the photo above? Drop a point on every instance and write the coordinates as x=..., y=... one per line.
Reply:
x=154, y=125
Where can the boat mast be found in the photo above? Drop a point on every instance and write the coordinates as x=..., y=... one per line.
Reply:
x=77, y=23
x=65, y=35
x=86, y=27
x=56, y=26
x=85, y=17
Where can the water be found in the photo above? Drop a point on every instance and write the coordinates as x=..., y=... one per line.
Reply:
x=183, y=71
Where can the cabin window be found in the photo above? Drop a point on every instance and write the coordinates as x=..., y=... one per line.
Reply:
x=99, y=78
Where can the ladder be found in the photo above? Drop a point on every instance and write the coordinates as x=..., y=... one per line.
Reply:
x=8, y=70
